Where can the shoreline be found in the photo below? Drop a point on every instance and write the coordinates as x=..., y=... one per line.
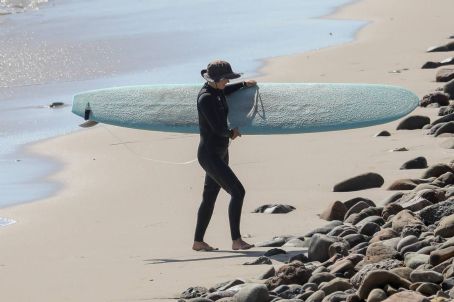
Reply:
x=122, y=225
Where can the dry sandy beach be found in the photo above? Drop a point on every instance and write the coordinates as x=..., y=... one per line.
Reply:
x=121, y=227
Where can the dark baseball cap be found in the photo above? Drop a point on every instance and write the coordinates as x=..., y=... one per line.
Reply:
x=218, y=70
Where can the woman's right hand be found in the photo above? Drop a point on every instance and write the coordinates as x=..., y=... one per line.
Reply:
x=236, y=133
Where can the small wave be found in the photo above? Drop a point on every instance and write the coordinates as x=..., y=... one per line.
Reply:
x=19, y=6
x=6, y=221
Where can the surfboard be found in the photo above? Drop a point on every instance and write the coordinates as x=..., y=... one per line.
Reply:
x=268, y=108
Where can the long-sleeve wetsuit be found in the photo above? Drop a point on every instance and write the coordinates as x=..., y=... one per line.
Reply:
x=213, y=156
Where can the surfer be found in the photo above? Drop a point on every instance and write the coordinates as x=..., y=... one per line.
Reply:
x=213, y=153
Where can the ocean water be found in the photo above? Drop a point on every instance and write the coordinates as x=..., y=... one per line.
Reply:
x=51, y=50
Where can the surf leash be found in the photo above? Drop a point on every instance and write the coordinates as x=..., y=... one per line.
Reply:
x=125, y=144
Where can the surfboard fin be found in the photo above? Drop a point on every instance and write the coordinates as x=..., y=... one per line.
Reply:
x=88, y=124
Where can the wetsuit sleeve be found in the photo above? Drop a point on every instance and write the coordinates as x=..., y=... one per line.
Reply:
x=233, y=87
x=207, y=107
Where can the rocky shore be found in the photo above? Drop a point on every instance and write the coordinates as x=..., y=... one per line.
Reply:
x=397, y=249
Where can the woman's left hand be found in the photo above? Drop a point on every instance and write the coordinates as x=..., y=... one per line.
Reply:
x=250, y=83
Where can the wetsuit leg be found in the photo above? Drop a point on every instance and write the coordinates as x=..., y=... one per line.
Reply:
x=210, y=193
x=217, y=168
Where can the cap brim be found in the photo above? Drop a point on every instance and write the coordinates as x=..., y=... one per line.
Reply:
x=230, y=76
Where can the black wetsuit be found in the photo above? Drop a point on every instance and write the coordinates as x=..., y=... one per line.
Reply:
x=213, y=156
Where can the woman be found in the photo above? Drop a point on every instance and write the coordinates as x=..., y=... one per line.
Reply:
x=213, y=152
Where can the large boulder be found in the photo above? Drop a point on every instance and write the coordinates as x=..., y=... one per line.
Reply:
x=360, y=182
x=413, y=122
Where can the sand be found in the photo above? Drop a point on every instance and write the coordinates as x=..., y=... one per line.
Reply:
x=121, y=227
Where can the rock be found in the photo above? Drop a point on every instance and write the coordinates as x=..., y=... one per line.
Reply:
x=295, y=242
x=444, y=180
x=445, y=228
x=377, y=252
x=449, y=89
x=380, y=278
x=56, y=104
x=338, y=248
x=319, y=247
x=435, y=97
x=405, y=184
x=357, y=217
x=403, y=218
x=426, y=276
x=413, y=122
x=430, y=65
x=437, y=211
x=416, y=204
x=438, y=256
x=318, y=296
x=360, y=182
x=274, y=251
x=447, y=47
x=407, y=240
x=403, y=272
x=355, y=239
x=352, y=202
x=444, y=75
x=321, y=277
x=335, y=211
x=259, y=260
x=341, y=267
x=399, y=149
x=416, y=163
x=216, y=296
x=336, y=297
x=369, y=229
x=268, y=274
x=334, y=285
x=299, y=257
x=413, y=260
x=437, y=170
x=390, y=210
x=388, y=264
x=325, y=229
x=445, y=110
x=252, y=293
x=384, y=234
x=292, y=273
x=447, y=284
x=274, y=209
x=428, y=289
x=407, y=296
x=358, y=207
x=445, y=128
x=444, y=119
x=383, y=133
x=392, y=199
x=376, y=295
x=193, y=292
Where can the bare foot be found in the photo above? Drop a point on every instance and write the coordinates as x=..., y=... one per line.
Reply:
x=202, y=246
x=240, y=244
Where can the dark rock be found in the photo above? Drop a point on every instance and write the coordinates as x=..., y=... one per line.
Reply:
x=407, y=296
x=391, y=209
x=437, y=170
x=325, y=229
x=416, y=163
x=374, y=218
x=441, y=255
x=445, y=128
x=259, y=260
x=360, y=182
x=428, y=289
x=380, y=278
x=426, y=276
x=276, y=242
x=447, y=47
x=384, y=265
x=335, y=211
x=252, y=293
x=449, y=89
x=334, y=285
x=338, y=248
x=407, y=240
x=369, y=229
x=445, y=110
x=193, y=292
x=399, y=149
x=352, y=202
x=447, y=284
x=437, y=211
x=358, y=207
x=299, y=257
x=445, y=75
x=383, y=133
x=444, y=119
x=268, y=274
x=357, y=217
x=377, y=295
x=430, y=65
x=437, y=97
x=321, y=277
x=413, y=122
x=354, y=239
x=274, y=252
x=319, y=247
x=56, y=104
x=292, y=273
x=274, y=209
